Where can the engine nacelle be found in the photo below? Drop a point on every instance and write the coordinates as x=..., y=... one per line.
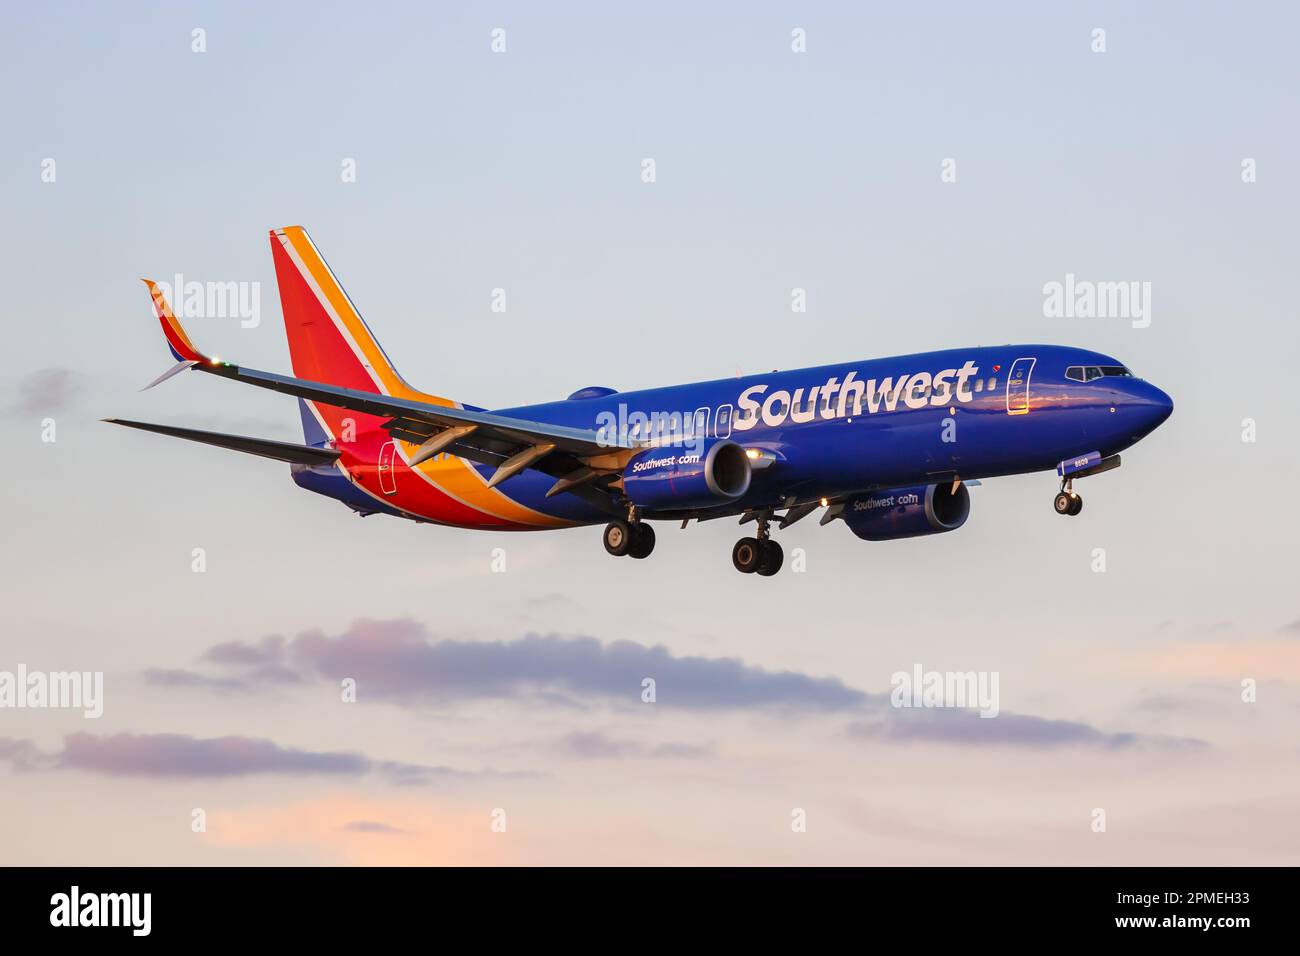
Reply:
x=711, y=472
x=907, y=512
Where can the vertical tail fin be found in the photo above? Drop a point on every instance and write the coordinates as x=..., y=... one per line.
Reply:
x=328, y=340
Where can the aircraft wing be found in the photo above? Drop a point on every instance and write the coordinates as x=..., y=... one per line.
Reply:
x=509, y=443
x=513, y=431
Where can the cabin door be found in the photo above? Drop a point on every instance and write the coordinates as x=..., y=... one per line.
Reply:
x=387, y=477
x=1018, y=386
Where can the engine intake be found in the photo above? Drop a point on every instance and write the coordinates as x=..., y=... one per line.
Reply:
x=701, y=475
x=907, y=512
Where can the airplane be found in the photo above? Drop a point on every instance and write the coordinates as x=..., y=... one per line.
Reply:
x=888, y=445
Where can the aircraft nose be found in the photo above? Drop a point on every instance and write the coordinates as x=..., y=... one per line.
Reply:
x=1162, y=405
x=1153, y=404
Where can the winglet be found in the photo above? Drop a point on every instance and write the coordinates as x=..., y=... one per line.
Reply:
x=177, y=339
x=178, y=367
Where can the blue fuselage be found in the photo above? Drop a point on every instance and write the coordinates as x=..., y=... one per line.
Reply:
x=933, y=416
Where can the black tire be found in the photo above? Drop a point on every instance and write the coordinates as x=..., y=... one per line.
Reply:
x=772, y=558
x=643, y=541
x=1063, y=503
x=1076, y=505
x=746, y=555
x=618, y=538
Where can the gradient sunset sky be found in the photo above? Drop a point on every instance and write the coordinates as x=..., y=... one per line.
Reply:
x=480, y=692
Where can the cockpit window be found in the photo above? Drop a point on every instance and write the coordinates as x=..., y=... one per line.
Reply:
x=1087, y=373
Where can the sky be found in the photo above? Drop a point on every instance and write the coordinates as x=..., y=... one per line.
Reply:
x=499, y=716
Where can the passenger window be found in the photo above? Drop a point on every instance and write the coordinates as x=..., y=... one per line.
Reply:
x=722, y=422
x=979, y=385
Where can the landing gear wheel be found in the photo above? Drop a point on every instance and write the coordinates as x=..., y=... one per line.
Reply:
x=1068, y=503
x=643, y=541
x=618, y=538
x=772, y=557
x=747, y=555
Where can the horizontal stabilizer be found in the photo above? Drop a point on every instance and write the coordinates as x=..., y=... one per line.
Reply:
x=279, y=450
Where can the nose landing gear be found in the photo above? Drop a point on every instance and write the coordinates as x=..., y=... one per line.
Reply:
x=1068, y=501
x=759, y=555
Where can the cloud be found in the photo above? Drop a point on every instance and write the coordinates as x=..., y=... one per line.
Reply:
x=262, y=662
x=1292, y=628
x=369, y=826
x=168, y=677
x=22, y=754
x=954, y=726
x=183, y=756
x=47, y=391
x=397, y=661
x=181, y=677
x=593, y=745
x=269, y=650
x=178, y=755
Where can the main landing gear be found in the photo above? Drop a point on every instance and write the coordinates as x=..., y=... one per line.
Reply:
x=1068, y=501
x=633, y=538
x=760, y=555
x=757, y=555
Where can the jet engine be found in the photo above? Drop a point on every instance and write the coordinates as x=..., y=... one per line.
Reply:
x=703, y=474
x=907, y=512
